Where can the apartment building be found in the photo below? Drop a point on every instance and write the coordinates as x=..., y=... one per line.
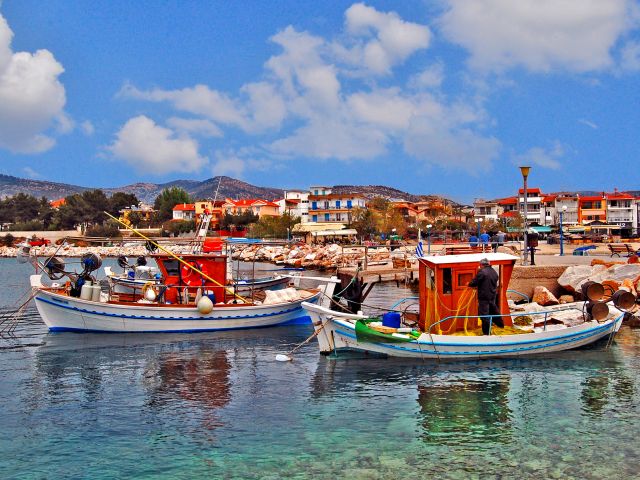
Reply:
x=486, y=210
x=295, y=203
x=325, y=206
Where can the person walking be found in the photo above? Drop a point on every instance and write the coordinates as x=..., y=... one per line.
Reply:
x=484, y=241
x=486, y=281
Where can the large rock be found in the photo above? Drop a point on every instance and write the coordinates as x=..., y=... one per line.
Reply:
x=542, y=296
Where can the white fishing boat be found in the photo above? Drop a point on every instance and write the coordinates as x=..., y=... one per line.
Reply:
x=190, y=297
x=62, y=312
x=446, y=325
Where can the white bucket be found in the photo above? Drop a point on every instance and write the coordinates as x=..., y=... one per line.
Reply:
x=95, y=294
x=86, y=292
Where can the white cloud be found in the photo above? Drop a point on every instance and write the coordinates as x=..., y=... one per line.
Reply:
x=390, y=40
x=546, y=158
x=451, y=148
x=31, y=173
x=319, y=98
x=87, y=128
x=540, y=35
x=326, y=138
x=31, y=97
x=195, y=126
x=430, y=77
x=155, y=149
x=199, y=100
x=383, y=108
x=588, y=123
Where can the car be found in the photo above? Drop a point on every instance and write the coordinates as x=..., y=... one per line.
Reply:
x=39, y=242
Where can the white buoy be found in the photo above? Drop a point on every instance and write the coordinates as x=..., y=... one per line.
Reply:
x=283, y=358
x=205, y=305
x=150, y=294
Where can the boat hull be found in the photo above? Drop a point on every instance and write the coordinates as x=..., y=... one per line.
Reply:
x=64, y=313
x=337, y=333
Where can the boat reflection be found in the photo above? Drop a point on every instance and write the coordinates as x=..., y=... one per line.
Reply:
x=457, y=411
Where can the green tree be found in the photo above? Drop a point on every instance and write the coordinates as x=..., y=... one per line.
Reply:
x=86, y=209
x=274, y=227
x=169, y=198
x=120, y=200
x=363, y=221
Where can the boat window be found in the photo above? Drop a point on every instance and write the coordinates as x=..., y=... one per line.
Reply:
x=172, y=267
x=464, y=279
x=446, y=280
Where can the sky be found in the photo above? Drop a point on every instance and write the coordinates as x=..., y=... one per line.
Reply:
x=443, y=97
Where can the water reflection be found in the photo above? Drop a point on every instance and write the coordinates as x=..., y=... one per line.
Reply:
x=457, y=411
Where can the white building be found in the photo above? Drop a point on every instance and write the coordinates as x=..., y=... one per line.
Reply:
x=486, y=210
x=622, y=210
x=296, y=203
x=326, y=206
x=534, y=204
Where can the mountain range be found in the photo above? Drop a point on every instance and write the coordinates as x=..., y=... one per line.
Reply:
x=147, y=192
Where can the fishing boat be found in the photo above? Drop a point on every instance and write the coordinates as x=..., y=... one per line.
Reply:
x=134, y=276
x=191, y=297
x=446, y=323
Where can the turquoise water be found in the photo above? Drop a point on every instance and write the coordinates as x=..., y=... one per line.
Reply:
x=220, y=406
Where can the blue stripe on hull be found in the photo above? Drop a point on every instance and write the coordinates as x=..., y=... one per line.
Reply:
x=198, y=330
x=143, y=317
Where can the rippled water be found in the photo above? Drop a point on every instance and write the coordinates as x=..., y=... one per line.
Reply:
x=218, y=405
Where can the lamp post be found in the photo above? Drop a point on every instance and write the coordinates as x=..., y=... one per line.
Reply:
x=429, y=239
x=525, y=174
x=564, y=209
x=478, y=221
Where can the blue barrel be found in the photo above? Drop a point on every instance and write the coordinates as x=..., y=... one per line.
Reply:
x=391, y=319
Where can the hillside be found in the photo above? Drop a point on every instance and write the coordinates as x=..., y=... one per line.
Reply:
x=147, y=192
x=229, y=187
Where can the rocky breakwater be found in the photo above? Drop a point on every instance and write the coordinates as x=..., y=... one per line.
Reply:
x=311, y=256
x=73, y=251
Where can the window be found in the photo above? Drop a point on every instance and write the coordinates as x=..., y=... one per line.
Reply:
x=326, y=205
x=314, y=205
x=446, y=281
x=314, y=218
x=326, y=217
x=338, y=217
x=348, y=203
x=315, y=192
x=337, y=203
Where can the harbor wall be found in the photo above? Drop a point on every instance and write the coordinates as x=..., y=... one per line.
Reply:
x=525, y=278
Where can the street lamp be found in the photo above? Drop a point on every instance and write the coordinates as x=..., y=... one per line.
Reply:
x=564, y=209
x=429, y=239
x=479, y=221
x=525, y=174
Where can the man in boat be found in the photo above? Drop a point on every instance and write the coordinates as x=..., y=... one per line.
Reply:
x=486, y=281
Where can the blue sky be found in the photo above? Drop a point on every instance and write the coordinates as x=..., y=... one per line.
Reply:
x=444, y=96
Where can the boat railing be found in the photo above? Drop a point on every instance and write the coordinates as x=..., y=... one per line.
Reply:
x=520, y=294
x=545, y=313
x=401, y=301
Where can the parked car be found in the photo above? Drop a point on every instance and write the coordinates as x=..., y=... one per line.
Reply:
x=39, y=242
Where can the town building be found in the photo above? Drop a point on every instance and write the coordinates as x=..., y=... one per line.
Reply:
x=296, y=204
x=622, y=210
x=485, y=210
x=534, y=203
x=143, y=211
x=259, y=207
x=592, y=208
x=184, y=211
x=325, y=206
